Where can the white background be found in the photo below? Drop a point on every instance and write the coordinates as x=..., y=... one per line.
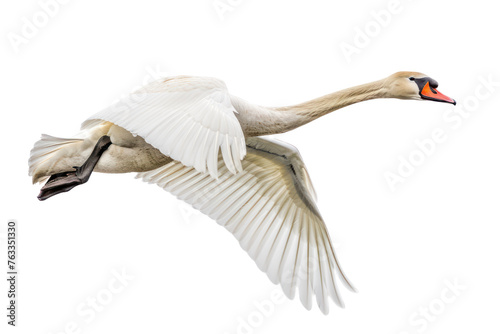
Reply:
x=399, y=247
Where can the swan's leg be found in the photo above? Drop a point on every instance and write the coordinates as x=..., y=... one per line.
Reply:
x=66, y=181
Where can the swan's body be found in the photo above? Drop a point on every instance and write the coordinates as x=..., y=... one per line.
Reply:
x=194, y=139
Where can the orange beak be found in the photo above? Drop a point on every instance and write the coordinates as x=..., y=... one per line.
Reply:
x=429, y=93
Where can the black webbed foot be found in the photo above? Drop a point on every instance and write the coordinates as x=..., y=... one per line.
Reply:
x=65, y=181
x=59, y=183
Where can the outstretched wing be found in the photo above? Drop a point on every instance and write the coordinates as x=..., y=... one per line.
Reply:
x=270, y=209
x=189, y=119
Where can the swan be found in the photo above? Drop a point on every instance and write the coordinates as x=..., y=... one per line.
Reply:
x=191, y=137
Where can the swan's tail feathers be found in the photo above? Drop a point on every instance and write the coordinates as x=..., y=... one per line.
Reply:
x=42, y=152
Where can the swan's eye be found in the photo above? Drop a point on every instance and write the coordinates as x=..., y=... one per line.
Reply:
x=411, y=78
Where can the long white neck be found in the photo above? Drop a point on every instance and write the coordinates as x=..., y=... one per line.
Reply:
x=258, y=121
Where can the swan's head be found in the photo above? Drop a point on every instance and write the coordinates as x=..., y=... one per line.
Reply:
x=414, y=86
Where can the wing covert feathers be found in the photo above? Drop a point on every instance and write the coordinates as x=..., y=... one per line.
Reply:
x=190, y=119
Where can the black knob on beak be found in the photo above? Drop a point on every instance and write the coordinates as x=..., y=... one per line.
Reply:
x=433, y=83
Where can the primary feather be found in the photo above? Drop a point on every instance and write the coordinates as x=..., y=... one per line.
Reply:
x=270, y=208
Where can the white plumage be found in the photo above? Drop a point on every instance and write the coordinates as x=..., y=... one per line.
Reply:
x=269, y=207
x=195, y=140
x=187, y=118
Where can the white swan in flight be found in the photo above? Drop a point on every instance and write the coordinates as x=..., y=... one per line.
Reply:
x=197, y=141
